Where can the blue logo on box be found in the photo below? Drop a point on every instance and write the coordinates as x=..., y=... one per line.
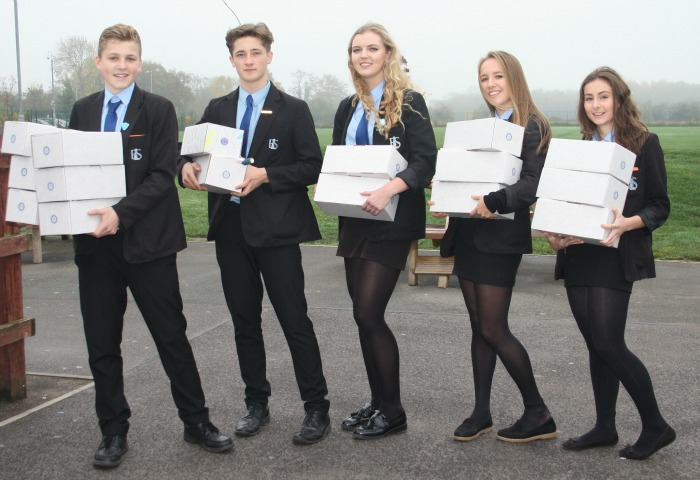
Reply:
x=21, y=206
x=622, y=165
x=54, y=219
x=615, y=195
x=512, y=172
x=13, y=138
x=24, y=172
x=397, y=168
x=224, y=141
x=509, y=136
x=226, y=174
x=47, y=150
x=50, y=186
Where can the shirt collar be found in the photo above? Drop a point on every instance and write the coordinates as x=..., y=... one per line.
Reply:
x=610, y=137
x=377, y=93
x=505, y=115
x=258, y=97
x=124, y=95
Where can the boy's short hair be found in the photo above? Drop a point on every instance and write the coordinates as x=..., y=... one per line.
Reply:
x=119, y=32
x=257, y=30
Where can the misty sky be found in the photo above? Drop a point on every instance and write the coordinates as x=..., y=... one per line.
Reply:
x=557, y=41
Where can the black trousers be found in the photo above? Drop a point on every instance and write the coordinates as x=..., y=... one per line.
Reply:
x=104, y=276
x=280, y=267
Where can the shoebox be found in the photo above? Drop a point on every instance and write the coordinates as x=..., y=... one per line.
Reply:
x=209, y=138
x=22, y=173
x=588, y=156
x=21, y=207
x=71, y=147
x=17, y=137
x=485, y=134
x=455, y=198
x=572, y=219
x=477, y=166
x=71, y=217
x=220, y=174
x=598, y=189
x=340, y=195
x=378, y=161
x=85, y=182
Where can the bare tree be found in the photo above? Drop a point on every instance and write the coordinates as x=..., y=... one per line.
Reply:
x=74, y=62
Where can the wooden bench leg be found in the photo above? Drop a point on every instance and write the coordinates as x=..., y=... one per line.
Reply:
x=36, y=245
x=412, y=257
x=443, y=280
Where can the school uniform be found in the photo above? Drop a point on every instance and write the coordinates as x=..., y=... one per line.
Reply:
x=261, y=237
x=140, y=256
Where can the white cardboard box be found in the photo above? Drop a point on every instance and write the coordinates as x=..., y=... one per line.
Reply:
x=80, y=183
x=572, y=219
x=455, y=198
x=588, y=156
x=22, y=207
x=485, y=134
x=469, y=166
x=221, y=174
x=379, y=161
x=340, y=195
x=71, y=147
x=22, y=173
x=17, y=136
x=71, y=217
x=209, y=138
x=597, y=189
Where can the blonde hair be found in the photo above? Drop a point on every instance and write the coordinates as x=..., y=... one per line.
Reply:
x=523, y=105
x=120, y=33
x=396, y=78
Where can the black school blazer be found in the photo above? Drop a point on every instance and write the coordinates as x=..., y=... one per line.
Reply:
x=648, y=198
x=284, y=143
x=150, y=213
x=415, y=141
x=508, y=236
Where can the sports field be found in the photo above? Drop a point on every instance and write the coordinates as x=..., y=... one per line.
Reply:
x=678, y=239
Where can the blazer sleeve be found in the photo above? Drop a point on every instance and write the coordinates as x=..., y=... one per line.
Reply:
x=422, y=147
x=657, y=206
x=522, y=193
x=153, y=188
x=306, y=165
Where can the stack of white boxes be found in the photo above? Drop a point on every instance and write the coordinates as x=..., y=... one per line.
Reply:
x=76, y=172
x=580, y=183
x=217, y=149
x=478, y=157
x=22, y=205
x=349, y=170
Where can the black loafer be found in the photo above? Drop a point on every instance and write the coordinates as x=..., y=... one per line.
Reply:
x=109, y=453
x=515, y=432
x=379, y=426
x=470, y=429
x=252, y=422
x=208, y=437
x=314, y=428
x=578, y=443
x=664, y=440
x=358, y=418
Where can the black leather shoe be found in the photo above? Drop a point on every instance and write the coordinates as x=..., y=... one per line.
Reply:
x=252, y=422
x=664, y=440
x=515, y=432
x=109, y=453
x=208, y=437
x=314, y=428
x=358, y=418
x=578, y=443
x=379, y=426
x=470, y=429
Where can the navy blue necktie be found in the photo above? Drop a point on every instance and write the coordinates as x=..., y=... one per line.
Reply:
x=245, y=126
x=111, y=118
x=361, y=136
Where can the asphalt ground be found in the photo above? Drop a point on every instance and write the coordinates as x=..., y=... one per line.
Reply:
x=53, y=433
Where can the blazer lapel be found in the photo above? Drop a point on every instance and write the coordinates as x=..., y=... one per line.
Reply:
x=132, y=114
x=348, y=118
x=266, y=119
x=230, y=109
x=94, y=115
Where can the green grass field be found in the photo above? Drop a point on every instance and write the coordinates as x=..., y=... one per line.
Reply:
x=678, y=239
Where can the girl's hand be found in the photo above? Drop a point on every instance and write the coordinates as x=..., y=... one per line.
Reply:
x=558, y=242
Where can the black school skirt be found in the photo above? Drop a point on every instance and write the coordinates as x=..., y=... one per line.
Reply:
x=353, y=243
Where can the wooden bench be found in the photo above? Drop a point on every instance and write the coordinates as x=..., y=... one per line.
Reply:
x=430, y=264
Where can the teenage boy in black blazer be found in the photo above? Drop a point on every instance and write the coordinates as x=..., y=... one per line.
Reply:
x=136, y=245
x=258, y=231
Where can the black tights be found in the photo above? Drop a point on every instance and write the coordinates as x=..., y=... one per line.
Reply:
x=370, y=285
x=488, y=313
x=601, y=315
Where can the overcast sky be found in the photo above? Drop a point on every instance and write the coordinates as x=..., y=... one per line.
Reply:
x=558, y=42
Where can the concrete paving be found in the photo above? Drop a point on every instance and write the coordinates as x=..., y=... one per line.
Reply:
x=432, y=329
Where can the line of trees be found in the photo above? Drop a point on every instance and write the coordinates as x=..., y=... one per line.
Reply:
x=661, y=102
